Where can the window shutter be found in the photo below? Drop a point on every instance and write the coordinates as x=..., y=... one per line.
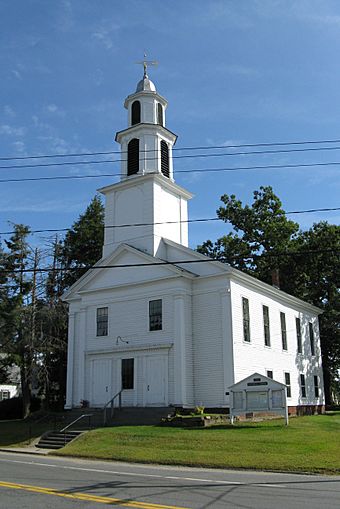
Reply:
x=133, y=157
x=165, y=159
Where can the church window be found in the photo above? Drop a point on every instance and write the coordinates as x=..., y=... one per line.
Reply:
x=127, y=373
x=165, y=159
x=160, y=118
x=135, y=113
x=102, y=321
x=288, y=385
x=133, y=157
x=283, y=331
x=155, y=314
x=303, y=385
x=298, y=334
x=266, y=325
x=246, y=320
x=316, y=386
x=311, y=338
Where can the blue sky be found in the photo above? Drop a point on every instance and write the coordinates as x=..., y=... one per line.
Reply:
x=234, y=72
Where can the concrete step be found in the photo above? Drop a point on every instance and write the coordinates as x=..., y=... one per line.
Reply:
x=57, y=439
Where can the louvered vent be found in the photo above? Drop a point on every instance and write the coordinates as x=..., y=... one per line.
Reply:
x=133, y=157
x=165, y=159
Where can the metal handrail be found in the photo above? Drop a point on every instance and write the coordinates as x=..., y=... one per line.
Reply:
x=112, y=407
x=76, y=420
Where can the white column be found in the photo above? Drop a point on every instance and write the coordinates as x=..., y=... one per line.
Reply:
x=180, y=354
x=81, y=354
x=70, y=361
x=227, y=342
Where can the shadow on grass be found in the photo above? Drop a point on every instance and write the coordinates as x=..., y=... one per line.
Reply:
x=20, y=432
x=217, y=427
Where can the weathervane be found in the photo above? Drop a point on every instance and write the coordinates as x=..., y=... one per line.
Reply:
x=145, y=64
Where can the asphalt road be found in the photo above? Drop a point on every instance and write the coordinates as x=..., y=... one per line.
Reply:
x=28, y=481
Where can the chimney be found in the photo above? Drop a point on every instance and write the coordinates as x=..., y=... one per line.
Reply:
x=276, y=278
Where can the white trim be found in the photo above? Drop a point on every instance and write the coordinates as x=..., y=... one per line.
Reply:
x=159, y=178
x=120, y=349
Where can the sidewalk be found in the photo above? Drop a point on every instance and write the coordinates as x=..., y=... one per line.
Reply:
x=26, y=450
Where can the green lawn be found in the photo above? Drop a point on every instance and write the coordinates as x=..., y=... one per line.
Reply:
x=309, y=444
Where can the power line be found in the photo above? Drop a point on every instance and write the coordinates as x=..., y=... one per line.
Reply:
x=200, y=170
x=187, y=156
x=202, y=147
x=199, y=220
x=175, y=262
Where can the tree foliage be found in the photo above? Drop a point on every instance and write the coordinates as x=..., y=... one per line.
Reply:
x=83, y=243
x=260, y=237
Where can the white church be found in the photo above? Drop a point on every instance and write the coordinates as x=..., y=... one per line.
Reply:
x=164, y=324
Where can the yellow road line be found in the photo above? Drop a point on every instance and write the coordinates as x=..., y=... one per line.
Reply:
x=87, y=497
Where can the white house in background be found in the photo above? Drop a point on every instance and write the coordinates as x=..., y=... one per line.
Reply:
x=164, y=323
x=11, y=388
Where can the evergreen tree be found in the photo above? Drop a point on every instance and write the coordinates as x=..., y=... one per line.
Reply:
x=15, y=319
x=83, y=243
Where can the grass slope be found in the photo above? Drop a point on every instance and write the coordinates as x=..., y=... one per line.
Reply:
x=20, y=432
x=308, y=444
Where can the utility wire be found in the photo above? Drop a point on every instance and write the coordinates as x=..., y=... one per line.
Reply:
x=188, y=156
x=176, y=262
x=199, y=220
x=200, y=170
x=202, y=147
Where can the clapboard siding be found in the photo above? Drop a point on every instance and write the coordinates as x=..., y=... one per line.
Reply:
x=256, y=357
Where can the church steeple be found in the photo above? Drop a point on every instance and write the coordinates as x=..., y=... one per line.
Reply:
x=146, y=206
x=146, y=144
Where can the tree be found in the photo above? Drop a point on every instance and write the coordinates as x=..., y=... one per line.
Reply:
x=83, y=243
x=316, y=278
x=264, y=242
x=262, y=234
x=81, y=248
x=15, y=320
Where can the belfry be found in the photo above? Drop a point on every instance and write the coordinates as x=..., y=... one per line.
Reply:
x=147, y=197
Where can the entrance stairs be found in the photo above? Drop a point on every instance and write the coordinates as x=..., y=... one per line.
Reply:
x=57, y=439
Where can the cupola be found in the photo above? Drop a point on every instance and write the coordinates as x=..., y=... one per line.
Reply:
x=146, y=144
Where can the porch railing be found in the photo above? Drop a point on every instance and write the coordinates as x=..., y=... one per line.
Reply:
x=109, y=407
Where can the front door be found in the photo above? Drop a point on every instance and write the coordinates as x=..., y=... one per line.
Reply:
x=101, y=381
x=155, y=390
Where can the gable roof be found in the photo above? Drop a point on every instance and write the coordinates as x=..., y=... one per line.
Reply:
x=239, y=276
x=255, y=380
x=112, y=261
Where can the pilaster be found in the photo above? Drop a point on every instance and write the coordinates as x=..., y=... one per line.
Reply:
x=180, y=350
x=81, y=354
x=70, y=361
x=227, y=342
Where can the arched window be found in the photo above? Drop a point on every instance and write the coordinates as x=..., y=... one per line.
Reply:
x=133, y=157
x=135, y=113
x=160, y=119
x=165, y=159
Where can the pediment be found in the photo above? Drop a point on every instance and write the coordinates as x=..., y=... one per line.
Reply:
x=126, y=265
